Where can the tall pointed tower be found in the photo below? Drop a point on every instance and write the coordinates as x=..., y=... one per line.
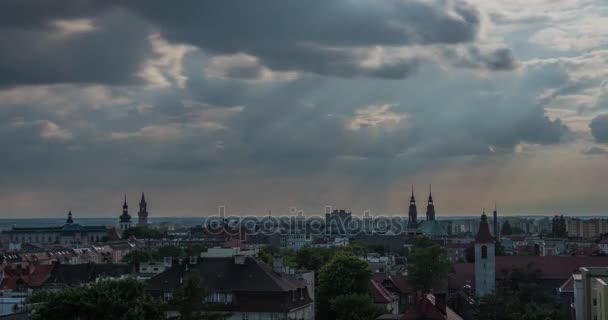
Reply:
x=495, y=223
x=70, y=220
x=143, y=212
x=412, y=221
x=430, y=208
x=125, y=218
x=485, y=262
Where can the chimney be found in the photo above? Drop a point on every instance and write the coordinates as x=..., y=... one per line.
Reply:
x=441, y=302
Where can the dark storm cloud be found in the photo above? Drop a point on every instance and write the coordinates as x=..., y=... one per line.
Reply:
x=36, y=50
x=314, y=36
x=599, y=128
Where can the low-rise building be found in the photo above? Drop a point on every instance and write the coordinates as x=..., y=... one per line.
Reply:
x=244, y=286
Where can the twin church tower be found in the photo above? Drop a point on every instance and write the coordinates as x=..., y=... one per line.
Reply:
x=413, y=212
x=484, y=243
x=142, y=215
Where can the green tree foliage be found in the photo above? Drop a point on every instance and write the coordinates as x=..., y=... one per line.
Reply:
x=135, y=258
x=344, y=275
x=518, y=296
x=142, y=233
x=427, y=265
x=506, y=229
x=558, y=227
x=355, y=307
x=314, y=258
x=108, y=299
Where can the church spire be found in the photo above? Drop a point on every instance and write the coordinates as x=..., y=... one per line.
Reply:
x=430, y=208
x=143, y=211
x=413, y=212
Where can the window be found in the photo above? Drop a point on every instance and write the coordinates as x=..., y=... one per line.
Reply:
x=484, y=252
x=245, y=316
x=168, y=295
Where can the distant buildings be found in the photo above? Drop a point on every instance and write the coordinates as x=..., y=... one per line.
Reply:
x=69, y=234
x=586, y=228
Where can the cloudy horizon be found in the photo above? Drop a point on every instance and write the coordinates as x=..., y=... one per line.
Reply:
x=270, y=104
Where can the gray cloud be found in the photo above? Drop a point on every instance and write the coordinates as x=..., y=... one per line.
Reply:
x=69, y=42
x=599, y=128
x=317, y=36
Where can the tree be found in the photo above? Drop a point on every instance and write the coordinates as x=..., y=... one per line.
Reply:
x=345, y=274
x=506, y=229
x=190, y=297
x=135, y=258
x=518, y=296
x=107, y=299
x=427, y=265
x=142, y=233
x=355, y=307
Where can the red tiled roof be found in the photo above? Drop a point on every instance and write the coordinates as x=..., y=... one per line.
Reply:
x=32, y=276
x=380, y=294
x=427, y=310
x=399, y=280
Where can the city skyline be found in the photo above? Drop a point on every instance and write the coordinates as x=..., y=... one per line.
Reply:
x=199, y=105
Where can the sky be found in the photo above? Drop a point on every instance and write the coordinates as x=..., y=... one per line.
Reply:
x=272, y=104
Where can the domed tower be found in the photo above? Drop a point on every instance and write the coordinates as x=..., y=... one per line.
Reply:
x=412, y=218
x=143, y=212
x=125, y=218
x=485, y=264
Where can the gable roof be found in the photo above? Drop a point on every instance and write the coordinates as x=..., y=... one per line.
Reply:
x=380, y=294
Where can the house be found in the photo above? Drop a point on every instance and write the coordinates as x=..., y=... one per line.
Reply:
x=384, y=298
x=398, y=285
x=20, y=278
x=244, y=286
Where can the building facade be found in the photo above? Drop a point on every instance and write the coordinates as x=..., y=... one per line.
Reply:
x=69, y=234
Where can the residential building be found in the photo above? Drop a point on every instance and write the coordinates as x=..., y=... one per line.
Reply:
x=244, y=286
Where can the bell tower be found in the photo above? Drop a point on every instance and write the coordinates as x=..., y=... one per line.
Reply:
x=125, y=218
x=485, y=262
